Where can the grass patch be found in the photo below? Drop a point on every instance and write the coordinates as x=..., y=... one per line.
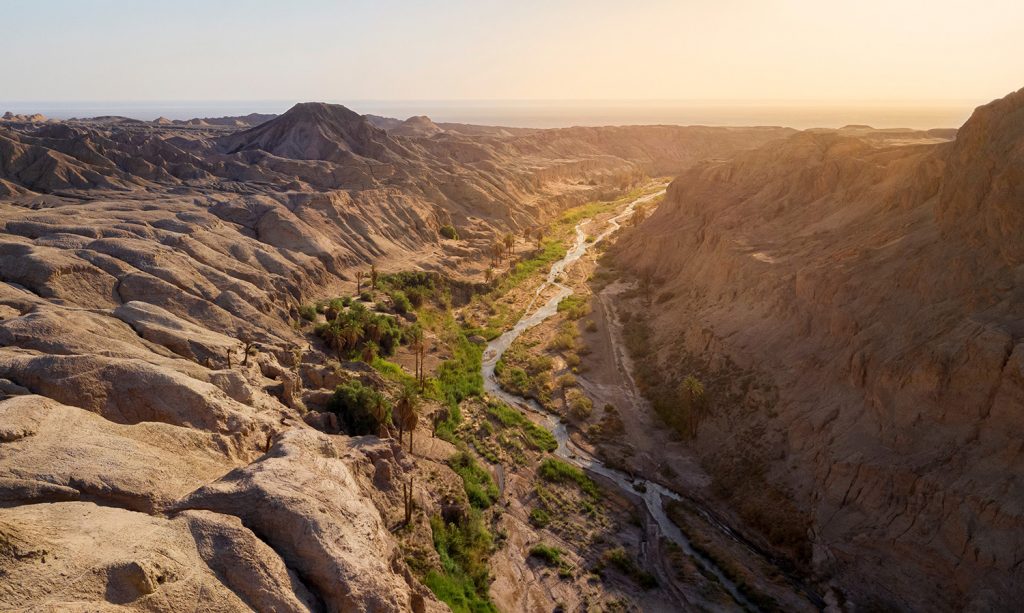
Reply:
x=550, y=555
x=536, y=436
x=625, y=564
x=480, y=487
x=574, y=306
x=559, y=471
x=540, y=518
x=551, y=251
x=464, y=578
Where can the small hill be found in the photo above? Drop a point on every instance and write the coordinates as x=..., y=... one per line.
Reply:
x=317, y=131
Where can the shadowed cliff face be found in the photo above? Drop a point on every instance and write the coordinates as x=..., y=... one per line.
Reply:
x=880, y=290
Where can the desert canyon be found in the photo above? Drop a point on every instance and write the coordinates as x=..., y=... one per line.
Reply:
x=779, y=369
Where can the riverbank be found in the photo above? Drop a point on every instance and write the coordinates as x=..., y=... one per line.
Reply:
x=618, y=439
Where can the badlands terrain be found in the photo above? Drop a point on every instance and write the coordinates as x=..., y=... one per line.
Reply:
x=792, y=382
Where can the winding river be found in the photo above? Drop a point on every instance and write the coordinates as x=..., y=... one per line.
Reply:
x=651, y=493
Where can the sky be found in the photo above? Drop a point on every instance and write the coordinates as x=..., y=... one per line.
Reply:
x=722, y=50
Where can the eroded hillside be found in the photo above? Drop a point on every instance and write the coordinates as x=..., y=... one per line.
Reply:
x=161, y=442
x=853, y=309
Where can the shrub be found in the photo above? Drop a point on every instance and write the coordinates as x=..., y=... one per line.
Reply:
x=579, y=405
x=574, y=306
x=307, y=312
x=366, y=296
x=619, y=559
x=562, y=342
x=591, y=326
x=400, y=302
x=536, y=436
x=362, y=409
x=551, y=556
x=479, y=486
x=464, y=579
x=448, y=231
x=566, y=380
x=417, y=296
x=559, y=471
x=516, y=380
x=540, y=518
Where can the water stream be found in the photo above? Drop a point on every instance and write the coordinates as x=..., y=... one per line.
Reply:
x=652, y=494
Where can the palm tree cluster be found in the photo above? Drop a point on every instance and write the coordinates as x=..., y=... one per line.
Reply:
x=502, y=248
x=357, y=331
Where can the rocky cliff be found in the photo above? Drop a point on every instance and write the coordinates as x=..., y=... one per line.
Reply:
x=855, y=310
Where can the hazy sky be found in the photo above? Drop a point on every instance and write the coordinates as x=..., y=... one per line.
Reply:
x=929, y=50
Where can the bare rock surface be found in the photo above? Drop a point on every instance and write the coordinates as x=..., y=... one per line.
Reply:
x=71, y=555
x=306, y=502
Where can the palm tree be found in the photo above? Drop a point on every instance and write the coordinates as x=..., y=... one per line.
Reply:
x=335, y=337
x=497, y=251
x=370, y=350
x=692, y=392
x=352, y=331
x=373, y=330
x=359, y=280
x=540, y=236
x=373, y=276
x=510, y=243
x=489, y=274
x=417, y=345
x=406, y=416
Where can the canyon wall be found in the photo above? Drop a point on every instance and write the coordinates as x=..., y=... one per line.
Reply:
x=854, y=306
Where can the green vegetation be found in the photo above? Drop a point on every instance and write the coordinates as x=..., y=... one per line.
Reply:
x=525, y=374
x=580, y=407
x=574, y=306
x=559, y=471
x=624, y=563
x=400, y=302
x=464, y=578
x=392, y=372
x=480, y=487
x=540, y=518
x=351, y=329
x=307, y=312
x=551, y=251
x=552, y=556
x=361, y=409
x=459, y=377
x=678, y=513
x=536, y=436
x=448, y=231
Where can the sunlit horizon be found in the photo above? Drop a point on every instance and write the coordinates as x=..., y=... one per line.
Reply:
x=656, y=50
